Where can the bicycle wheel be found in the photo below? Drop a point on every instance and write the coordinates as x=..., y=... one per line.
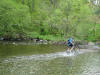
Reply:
x=76, y=48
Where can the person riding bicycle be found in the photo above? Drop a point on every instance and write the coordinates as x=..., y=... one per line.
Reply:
x=70, y=44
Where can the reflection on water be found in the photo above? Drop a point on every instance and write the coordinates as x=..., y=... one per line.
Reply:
x=49, y=62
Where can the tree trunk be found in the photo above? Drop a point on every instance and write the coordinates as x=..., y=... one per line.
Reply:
x=23, y=2
x=32, y=5
x=29, y=3
x=95, y=30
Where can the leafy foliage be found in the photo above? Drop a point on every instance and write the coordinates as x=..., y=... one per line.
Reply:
x=49, y=19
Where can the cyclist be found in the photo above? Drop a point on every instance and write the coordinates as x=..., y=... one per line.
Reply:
x=70, y=44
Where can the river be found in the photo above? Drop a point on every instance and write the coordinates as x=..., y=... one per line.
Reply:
x=47, y=60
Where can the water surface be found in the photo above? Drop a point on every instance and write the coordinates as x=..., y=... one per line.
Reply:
x=46, y=60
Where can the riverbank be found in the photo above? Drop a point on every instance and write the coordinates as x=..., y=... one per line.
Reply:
x=32, y=41
x=82, y=45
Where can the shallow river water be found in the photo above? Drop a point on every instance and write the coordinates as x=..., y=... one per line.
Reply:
x=47, y=60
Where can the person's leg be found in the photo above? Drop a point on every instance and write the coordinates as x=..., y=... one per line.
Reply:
x=72, y=46
x=68, y=48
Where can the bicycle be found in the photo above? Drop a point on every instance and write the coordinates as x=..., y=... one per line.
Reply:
x=76, y=48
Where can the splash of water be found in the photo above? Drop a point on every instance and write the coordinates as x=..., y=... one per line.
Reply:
x=44, y=56
x=39, y=57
